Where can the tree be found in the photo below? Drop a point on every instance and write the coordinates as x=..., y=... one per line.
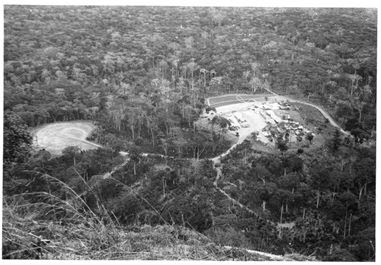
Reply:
x=204, y=72
x=266, y=191
x=294, y=163
x=335, y=142
x=349, y=200
x=320, y=180
x=365, y=169
x=17, y=140
x=192, y=66
x=179, y=140
x=133, y=116
x=221, y=121
x=281, y=144
x=126, y=208
x=135, y=156
x=71, y=152
x=309, y=137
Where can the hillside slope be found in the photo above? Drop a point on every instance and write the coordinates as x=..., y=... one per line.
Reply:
x=26, y=238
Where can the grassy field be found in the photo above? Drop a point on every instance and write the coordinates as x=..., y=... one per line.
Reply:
x=312, y=119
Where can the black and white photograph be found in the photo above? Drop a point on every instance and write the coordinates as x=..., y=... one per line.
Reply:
x=196, y=132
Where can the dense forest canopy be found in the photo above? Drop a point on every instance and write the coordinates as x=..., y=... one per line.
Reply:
x=142, y=74
x=327, y=54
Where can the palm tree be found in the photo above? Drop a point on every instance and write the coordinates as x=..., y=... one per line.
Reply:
x=192, y=66
x=204, y=71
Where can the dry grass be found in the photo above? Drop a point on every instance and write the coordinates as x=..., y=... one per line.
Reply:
x=40, y=225
x=25, y=237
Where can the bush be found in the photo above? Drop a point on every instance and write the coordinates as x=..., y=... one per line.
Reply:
x=125, y=207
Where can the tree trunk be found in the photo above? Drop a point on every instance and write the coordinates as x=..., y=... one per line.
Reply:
x=163, y=186
x=204, y=84
x=304, y=212
x=212, y=217
x=304, y=236
x=179, y=151
x=183, y=221
x=349, y=225
x=132, y=131
x=361, y=192
x=342, y=165
x=153, y=139
x=281, y=213
x=264, y=205
x=345, y=224
x=317, y=199
x=352, y=87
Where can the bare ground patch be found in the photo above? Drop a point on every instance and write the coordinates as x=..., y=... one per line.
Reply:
x=57, y=136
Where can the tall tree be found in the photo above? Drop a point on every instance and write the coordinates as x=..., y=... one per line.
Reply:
x=17, y=140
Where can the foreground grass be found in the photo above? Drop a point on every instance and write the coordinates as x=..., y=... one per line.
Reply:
x=40, y=225
x=25, y=238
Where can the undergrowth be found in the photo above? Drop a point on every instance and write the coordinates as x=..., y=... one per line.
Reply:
x=41, y=225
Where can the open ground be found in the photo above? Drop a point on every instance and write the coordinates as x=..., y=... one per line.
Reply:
x=249, y=113
x=57, y=136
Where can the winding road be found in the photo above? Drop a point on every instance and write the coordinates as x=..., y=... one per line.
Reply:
x=217, y=165
x=217, y=160
x=80, y=135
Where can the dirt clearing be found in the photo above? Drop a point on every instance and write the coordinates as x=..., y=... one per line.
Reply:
x=266, y=115
x=57, y=136
x=254, y=120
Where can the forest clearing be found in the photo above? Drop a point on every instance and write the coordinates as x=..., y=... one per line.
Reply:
x=55, y=137
x=265, y=115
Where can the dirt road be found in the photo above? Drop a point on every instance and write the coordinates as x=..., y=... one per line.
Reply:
x=229, y=99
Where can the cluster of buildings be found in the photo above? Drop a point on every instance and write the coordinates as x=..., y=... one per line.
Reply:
x=273, y=126
x=277, y=126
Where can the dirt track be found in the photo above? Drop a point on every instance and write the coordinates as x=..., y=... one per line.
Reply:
x=56, y=136
x=228, y=104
